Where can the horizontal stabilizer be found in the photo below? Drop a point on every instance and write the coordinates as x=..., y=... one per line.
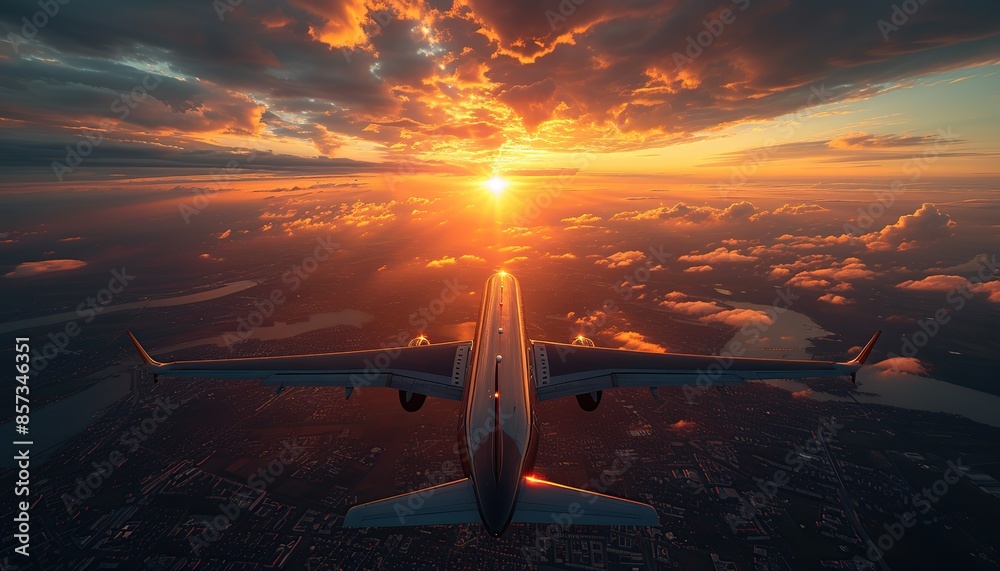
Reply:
x=545, y=502
x=454, y=502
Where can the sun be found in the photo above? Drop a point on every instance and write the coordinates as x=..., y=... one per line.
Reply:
x=497, y=185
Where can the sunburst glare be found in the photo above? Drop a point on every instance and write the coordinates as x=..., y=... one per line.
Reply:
x=497, y=185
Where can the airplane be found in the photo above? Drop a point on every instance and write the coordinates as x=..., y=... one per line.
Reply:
x=499, y=376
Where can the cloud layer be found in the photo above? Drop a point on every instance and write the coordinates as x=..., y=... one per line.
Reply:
x=422, y=79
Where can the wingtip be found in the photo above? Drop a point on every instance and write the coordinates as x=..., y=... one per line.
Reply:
x=354, y=516
x=142, y=352
x=650, y=517
x=863, y=355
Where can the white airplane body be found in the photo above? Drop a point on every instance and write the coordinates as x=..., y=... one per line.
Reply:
x=498, y=377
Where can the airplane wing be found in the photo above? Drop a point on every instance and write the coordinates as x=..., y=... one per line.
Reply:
x=436, y=370
x=567, y=370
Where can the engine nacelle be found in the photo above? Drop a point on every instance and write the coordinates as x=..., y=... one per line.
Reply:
x=589, y=401
x=411, y=401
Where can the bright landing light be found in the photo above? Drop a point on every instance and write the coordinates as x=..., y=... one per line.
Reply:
x=497, y=185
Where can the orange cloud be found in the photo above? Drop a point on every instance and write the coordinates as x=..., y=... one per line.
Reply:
x=637, y=342
x=992, y=288
x=936, y=283
x=622, y=259
x=739, y=317
x=909, y=365
x=442, y=262
x=583, y=219
x=926, y=225
x=720, y=254
x=711, y=312
x=692, y=214
x=838, y=276
x=451, y=260
x=30, y=269
x=948, y=283
x=799, y=209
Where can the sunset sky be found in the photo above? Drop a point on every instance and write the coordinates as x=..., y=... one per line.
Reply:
x=203, y=142
x=474, y=89
x=779, y=179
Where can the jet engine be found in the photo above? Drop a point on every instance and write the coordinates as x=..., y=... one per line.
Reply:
x=589, y=401
x=412, y=401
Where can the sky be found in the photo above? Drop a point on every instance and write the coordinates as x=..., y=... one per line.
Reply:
x=847, y=150
x=701, y=90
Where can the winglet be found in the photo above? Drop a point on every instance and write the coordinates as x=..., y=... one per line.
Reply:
x=142, y=352
x=863, y=355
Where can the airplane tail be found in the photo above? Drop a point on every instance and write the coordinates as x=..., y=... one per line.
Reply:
x=539, y=502
x=547, y=502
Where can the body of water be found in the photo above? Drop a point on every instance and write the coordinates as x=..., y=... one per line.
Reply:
x=215, y=293
x=791, y=335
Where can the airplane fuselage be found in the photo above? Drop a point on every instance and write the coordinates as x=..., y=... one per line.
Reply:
x=498, y=437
